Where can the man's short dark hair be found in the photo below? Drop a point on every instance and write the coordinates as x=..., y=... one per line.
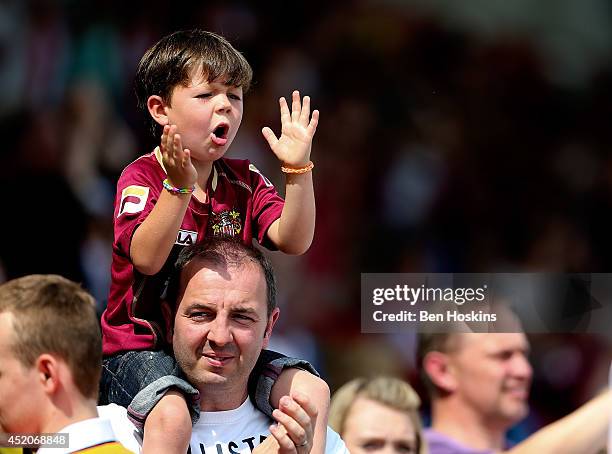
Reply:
x=54, y=315
x=174, y=58
x=228, y=253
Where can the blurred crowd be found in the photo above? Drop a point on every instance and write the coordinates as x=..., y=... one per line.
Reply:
x=441, y=148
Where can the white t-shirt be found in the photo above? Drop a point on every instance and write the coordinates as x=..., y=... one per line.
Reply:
x=236, y=431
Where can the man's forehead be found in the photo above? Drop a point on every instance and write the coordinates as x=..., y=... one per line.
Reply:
x=488, y=342
x=222, y=268
x=199, y=270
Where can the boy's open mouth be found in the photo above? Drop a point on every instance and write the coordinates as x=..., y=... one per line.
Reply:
x=219, y=134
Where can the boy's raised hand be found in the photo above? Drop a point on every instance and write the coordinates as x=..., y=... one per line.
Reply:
x=177, y=161
x=298, y=129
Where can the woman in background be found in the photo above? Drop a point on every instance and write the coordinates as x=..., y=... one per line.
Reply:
x=378, y=415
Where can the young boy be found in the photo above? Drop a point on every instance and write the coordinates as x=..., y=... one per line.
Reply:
x=192, y=84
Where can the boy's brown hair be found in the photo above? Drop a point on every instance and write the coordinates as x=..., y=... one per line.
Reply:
x=54, y=315
x=174, y=60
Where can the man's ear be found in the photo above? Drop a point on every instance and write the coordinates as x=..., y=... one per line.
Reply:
x=168, y=315
x=157, y=109
x=437, y=366
x=271, y=322
x=48, y=372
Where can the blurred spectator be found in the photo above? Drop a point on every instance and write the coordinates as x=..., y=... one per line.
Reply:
x=479, y=386
x=378, y=415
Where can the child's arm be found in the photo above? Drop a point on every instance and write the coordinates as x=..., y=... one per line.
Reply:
x=295, y=381
x=292, y=233
x=154, y=238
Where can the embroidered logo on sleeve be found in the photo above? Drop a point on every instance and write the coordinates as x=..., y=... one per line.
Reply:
x=252, y=168
x=133, y=199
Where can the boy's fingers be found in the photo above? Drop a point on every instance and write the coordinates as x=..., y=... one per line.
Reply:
x=269, y=136
x=186, y=157
x=164, y=138
x=314, y=121
x=170, y=142
x=176, y=147
x=305, y=111
x=296, y=108
x=284, y=110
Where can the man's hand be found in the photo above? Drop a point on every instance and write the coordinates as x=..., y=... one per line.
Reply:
x=298, y=129
x=294, y=431
x=177, y=161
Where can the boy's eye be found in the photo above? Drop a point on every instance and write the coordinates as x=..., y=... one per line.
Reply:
x=233, y=96
x=204, y=95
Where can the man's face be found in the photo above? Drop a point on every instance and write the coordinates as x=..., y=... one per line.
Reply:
x=18, y=385
x=493, y=375
x=220, y=327
x=371, y=427
x=207, y=114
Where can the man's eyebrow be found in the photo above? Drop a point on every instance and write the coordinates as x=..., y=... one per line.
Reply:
x=244, y=310
x=199, y=305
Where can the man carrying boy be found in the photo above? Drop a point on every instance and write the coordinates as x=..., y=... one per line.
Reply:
x=192, y=85
x=221, y=311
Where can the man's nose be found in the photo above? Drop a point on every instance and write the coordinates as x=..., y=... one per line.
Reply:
x=521, y=367
x=219, y=332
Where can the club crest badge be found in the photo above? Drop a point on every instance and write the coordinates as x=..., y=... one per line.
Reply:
x=226, y=223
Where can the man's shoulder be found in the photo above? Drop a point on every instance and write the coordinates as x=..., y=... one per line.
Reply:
x=439, y=443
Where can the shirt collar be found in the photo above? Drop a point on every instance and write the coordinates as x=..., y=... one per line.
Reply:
x=84, y=434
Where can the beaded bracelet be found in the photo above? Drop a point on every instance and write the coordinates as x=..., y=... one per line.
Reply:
x=175, y=190
x=307, y=168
